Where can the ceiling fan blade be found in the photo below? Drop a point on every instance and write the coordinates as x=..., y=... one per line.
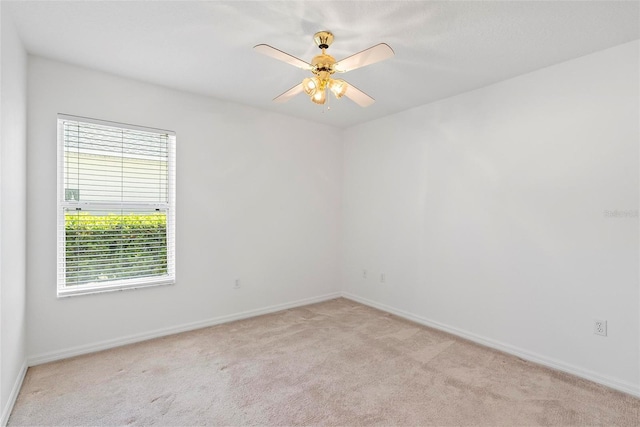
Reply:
x=288, y=94
x=374, y=54
x=358, y=96
x=271, y=51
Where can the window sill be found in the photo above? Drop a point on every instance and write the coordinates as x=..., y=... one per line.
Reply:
x=71, y=291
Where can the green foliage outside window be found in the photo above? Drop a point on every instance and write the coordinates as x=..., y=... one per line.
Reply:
x=110, y=247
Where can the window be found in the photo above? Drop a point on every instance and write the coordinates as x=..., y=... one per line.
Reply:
x=116, y=206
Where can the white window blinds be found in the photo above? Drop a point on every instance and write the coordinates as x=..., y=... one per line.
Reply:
x=116, y=210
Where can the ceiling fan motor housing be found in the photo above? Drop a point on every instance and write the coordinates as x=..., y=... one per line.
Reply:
x=323, y=62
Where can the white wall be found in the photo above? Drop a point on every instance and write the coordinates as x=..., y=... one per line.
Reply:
x=486, y=212
x=13, y=175
x=258, y=198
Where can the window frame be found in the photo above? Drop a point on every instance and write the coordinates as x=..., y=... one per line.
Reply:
x=63, y=205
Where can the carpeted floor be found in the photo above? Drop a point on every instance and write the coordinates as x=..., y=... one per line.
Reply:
x=333, y=363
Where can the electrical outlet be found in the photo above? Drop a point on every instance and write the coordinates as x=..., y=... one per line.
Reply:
x=364, y=274
x=236, y=285
x=600, y=327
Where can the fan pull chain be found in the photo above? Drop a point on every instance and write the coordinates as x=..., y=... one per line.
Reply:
x=328, y=100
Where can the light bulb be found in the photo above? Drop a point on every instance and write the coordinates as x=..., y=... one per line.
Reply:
x=310, y=86
x=338, y=87
x=319, y=97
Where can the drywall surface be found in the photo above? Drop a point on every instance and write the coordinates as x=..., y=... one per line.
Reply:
x=509, y=214
x=13, y=201
x=258, y=199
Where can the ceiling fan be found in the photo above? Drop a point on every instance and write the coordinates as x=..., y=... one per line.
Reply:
x=323, y=67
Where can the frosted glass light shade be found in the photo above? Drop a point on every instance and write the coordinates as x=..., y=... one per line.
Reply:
x=338, y=87
x=310, y=85
x=319, y=97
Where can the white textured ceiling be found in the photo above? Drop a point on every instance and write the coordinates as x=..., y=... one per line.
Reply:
x=442, y=48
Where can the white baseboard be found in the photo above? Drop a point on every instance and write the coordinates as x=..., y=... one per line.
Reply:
x=613, y=383
x=6, y=411
x=130, y=339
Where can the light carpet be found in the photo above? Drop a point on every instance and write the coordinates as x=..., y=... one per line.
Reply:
x=332, y=363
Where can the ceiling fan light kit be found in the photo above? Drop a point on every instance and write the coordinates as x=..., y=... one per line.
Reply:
x=323, y=66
